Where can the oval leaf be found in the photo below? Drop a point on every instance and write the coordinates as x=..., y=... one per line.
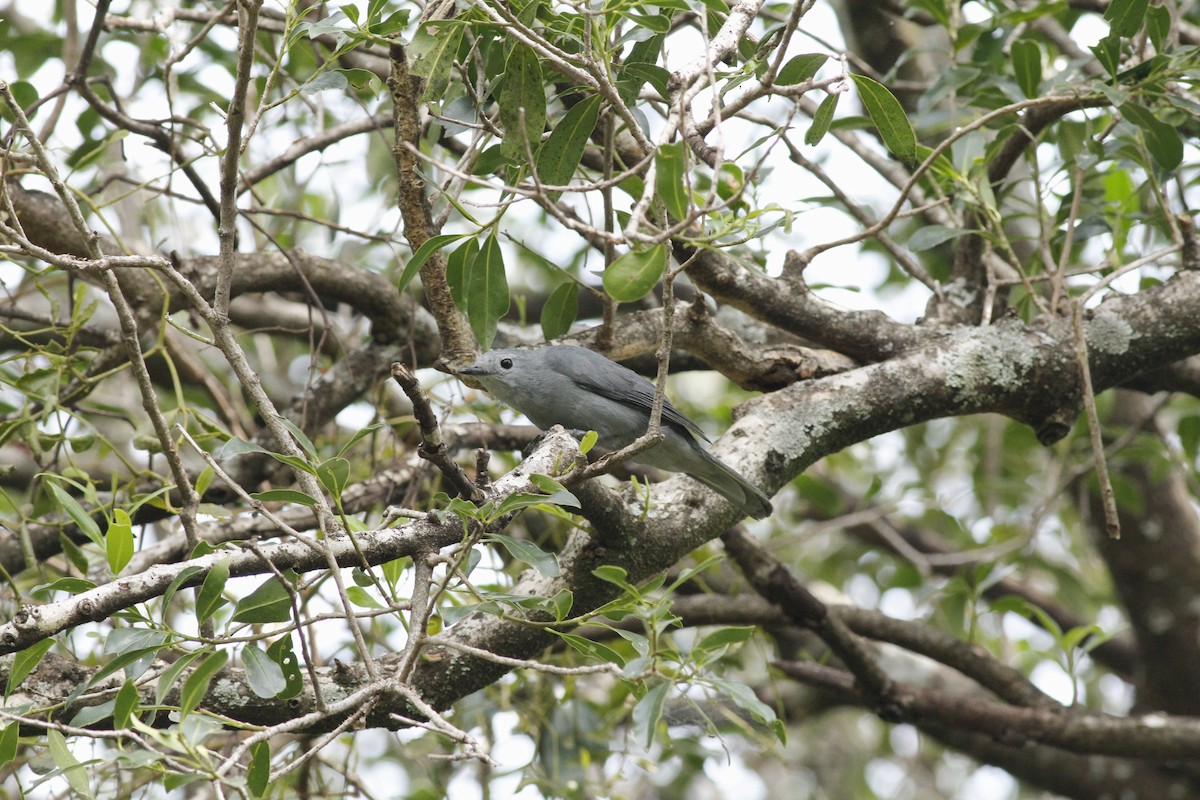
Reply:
x=558, y=315
x=209, y=598
x=562, y=152
x=423, y=254
x=282, y=654
x=1027, y=65
x=258, y=774
x=24, y=662
x=800, y=68
x=126, y=703
x=1125, y=16
x=648, y=712
x=634, y=274
x=528, y=552
x=9, y=739
x=431, y=56
x=670, y=169
x=822, y=119
x=1162, y=140
x=522, y=96
x=888, y=116
x=487, y=297
x=270, y=602
x=75, y=511
x=263, y=674
x=284, y=496
x=196, y=685
x=118, y=541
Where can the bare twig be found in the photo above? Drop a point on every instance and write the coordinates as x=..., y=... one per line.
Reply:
x=432, y=447
x=1111, y=519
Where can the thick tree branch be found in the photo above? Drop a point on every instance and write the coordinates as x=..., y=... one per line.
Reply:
x=1155, y=736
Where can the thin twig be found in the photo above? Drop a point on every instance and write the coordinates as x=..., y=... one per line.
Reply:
x=433, y=448
x=1112, y=522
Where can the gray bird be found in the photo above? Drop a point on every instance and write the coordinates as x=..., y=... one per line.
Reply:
x=582, y=390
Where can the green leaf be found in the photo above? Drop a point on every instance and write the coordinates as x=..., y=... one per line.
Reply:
x=68, y=585
x=528, y=552
x=617, y=576
x=10, y=737
x=71, y=506
x=25, y=662
x=184, y=575
x=746, y=699
x=1162, y=140
x=282, y=654
x=430, y=246
x=716, y=643
x=431, y=56
x=671, y=179
x=204, y=480
x=196, y=685
x=562, y=600
x=361, y=597
x=563, y=150
x=300, y=436
x=487, y=297
x=171, y=673
x=362, y=434
x=1108, y=52
x=822, y=119
x=331, y=79
x=515, y=502
x=522, y=94
x=633, y=73
x=118, y=541
x=555, y=491
x=262, y=673
x=730, y=181
x=457, y=264
x=284, y=496
x=25, y=94
x=1027, y=65
x=799, y=69
x=127, y=640
x=1125, y=16
x=90, y=715
x=125, y=705
x=270, y=602
x=931, y=236
x=334, y=474
x=210, y=598
x=258, y=774
x=236, y=446
x=558, y=315
x=596, y=650
x=64, y=759
x=648, y=712
x=658, y=77
x=635, y=273
x=888, y=117
x=588, y=442
x=1158, y=26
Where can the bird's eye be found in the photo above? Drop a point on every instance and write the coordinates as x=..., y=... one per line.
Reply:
x=506, y=363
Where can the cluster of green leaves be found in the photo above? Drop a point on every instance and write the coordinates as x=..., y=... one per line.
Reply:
x=521, y=80
x=656, y=668
x=131, y=650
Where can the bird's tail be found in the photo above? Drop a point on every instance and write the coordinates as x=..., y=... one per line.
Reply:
x=725, y=481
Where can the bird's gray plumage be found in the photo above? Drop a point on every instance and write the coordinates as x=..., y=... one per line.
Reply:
x=582, y=390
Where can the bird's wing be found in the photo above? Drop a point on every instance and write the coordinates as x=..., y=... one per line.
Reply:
x=625, y=386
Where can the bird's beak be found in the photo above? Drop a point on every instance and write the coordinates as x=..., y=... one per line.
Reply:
x=473, y=369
